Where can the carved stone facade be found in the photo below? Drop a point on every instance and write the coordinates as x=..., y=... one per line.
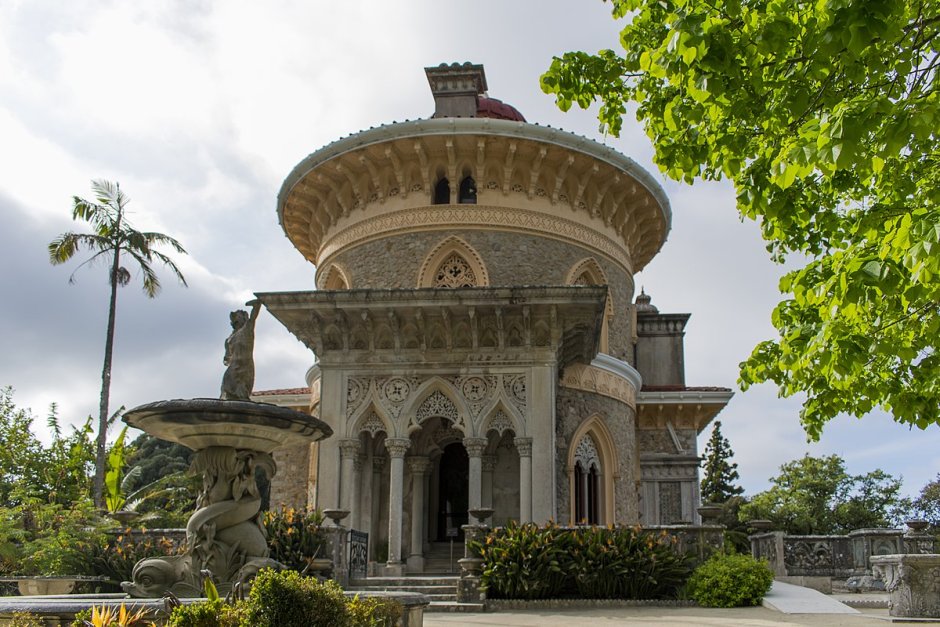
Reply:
x=475, y=334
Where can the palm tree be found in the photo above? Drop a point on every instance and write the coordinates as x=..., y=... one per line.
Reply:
x=112, y=236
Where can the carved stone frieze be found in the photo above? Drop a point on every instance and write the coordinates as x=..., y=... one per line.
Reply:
x=515, y=386
x=593, y=379
x=660, y=471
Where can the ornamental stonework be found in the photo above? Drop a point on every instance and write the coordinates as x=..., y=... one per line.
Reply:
x=440, y=216
x=593, y=379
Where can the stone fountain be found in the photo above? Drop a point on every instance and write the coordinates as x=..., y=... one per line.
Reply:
x=231, y=436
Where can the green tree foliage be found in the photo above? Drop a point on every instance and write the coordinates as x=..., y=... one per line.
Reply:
x=927, y=503
x=824, y=115
x=721, y=474
x=112, y=240
x=815, y=495
x=31, y=471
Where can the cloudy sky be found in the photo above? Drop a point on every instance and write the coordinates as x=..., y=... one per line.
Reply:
x=201, y=108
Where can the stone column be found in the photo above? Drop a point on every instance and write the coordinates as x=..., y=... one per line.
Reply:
x=419, y=467
x=475, y=448
x=489, y=465
x=378, y=463
x=397, y=447
x=524, y=446
x=349, y=488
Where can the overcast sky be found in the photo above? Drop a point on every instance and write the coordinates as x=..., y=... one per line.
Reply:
x=201, y=108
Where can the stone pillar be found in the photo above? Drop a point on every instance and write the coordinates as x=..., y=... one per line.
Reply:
x=475, y=448
x=419, y=467
x=489, y=464
x=378, y=463
x=397, y=447
x=524, y=446
x=349, y=485
x=540, y=426
x=911, y=582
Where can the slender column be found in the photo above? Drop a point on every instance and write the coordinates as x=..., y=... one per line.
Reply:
x=348, y=452
x=475, y=448
x=524, y=446
x=419, y=467
x=397, y=447
x=378, y=463
x=489, y=464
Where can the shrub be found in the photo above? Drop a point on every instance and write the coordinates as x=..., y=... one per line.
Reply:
x=294, y=536
x=114, y=557
x=626, y=563
x=524, y=561
x=532, y=562
x=278, y=599
x=26, y=619
x=728, y=580
x=213, y=613
x=373, y=612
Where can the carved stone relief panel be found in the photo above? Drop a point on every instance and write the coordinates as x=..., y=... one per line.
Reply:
x=670, y=502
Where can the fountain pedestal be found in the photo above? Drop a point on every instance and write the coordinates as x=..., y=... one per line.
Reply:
x=224, y=536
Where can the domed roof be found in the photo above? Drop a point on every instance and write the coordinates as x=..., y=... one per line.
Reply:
x=644, y=303
x=493, y=108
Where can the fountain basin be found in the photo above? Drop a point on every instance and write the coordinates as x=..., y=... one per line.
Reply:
x=199, y=423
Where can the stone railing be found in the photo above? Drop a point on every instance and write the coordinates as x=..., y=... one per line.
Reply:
x=815, y=561
x=696, y=541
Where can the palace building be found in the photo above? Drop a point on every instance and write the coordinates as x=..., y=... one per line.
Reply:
x=477, y=334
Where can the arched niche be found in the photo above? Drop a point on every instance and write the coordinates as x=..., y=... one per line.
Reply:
x=335, y=278
x=589, y=272
x=453, y=263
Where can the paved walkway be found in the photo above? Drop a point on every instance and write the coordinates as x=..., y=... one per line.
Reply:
x=784, y=605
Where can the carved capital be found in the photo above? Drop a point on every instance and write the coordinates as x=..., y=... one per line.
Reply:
x=474, y=446
x=349, y=448
x=524, y=446
x=419, y=465
x=397, y=447
x=489, y=463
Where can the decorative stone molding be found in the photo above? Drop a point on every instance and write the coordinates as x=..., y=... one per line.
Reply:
x=524, y=446
x=437, y=405
x=440, y=217
x=489, y=463
x=500, y=423
x=397, y=447
x=685, y=468
x=475, y=446
x=333, y=277
x=536, y=163
x=586, y=454
x=349, y=448
x=590, y=378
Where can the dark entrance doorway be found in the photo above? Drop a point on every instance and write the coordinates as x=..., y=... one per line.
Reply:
x=452, y=496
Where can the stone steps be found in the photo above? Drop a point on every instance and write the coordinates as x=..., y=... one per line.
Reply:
x=441, y=590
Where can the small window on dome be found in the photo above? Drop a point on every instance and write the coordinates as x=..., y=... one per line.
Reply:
x=468, y=191
x=442, y=192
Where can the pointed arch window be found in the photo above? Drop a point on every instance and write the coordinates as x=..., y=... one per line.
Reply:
x=468, y=191
x=442, y=192
x=587, y=478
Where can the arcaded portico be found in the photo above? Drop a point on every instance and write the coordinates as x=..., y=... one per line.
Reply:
x=475, y=332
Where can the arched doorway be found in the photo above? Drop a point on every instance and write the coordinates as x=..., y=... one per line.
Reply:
x=453, y=496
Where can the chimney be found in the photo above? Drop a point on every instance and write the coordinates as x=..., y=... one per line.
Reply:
x=455, y=88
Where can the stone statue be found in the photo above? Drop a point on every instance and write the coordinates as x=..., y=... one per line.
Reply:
x=225, y=536
x=239, y=377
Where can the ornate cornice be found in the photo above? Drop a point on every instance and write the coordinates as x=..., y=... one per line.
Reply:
x=447, y=217
x=540, y=164
x=606, y=376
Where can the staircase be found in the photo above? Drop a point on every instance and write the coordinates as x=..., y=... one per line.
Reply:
x=438, y=581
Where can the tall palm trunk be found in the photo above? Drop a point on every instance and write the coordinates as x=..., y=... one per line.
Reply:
x=101, y=445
